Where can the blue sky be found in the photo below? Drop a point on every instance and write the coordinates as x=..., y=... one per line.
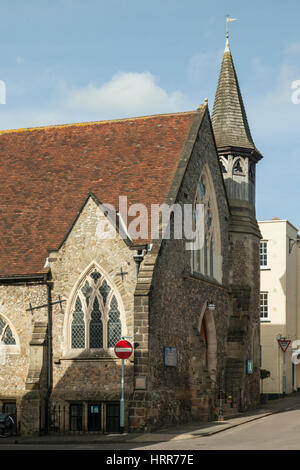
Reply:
x=84, y=60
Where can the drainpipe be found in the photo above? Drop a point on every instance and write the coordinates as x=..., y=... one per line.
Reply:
x=49, y=356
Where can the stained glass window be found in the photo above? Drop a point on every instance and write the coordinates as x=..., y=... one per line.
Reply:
x=114, y=323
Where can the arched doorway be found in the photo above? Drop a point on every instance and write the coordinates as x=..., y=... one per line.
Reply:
x=207, y=330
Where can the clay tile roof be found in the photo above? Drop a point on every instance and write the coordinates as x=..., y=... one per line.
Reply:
x=48, y=172
x=229, y=118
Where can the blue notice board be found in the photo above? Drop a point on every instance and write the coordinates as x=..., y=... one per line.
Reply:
x=170, y=356
x=249, y=367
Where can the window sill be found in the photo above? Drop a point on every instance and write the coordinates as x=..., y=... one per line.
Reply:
x=265, y=320
x=89, y=355
x=265, y=268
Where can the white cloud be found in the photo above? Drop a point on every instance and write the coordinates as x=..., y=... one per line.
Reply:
x=202, y=65
x=127, y=94
x=292, y=48
x=273, y=112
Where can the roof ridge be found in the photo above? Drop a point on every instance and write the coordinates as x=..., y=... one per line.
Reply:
x=92, y=123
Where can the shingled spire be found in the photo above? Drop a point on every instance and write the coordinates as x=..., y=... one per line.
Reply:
x=229, y=118
x=236, y=149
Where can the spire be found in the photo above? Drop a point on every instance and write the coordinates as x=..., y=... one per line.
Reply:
x=229, y=118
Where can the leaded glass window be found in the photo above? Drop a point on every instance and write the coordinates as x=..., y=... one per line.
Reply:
x=6, y=335
x=78, y=326
x=95, y=316
x=114, y=323
x=96, y=327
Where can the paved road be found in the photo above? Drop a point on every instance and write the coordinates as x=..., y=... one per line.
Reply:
x=276, y=432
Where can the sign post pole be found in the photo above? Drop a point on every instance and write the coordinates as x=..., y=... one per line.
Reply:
x=122, y=404
x=284, y=375
x=123, y=350
x=284, y=344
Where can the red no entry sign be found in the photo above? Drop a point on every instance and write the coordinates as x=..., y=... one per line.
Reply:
x=123, y=349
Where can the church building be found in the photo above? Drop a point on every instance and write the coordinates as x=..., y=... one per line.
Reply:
x=68, y=293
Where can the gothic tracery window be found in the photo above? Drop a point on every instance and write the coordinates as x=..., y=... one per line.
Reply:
x=95, y=316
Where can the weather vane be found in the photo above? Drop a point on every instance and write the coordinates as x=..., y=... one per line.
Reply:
x=228, y=20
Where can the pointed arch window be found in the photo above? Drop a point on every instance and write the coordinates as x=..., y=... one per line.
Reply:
x=207, y=260
x=237, y=167
x=6, y=336
x=95, y=316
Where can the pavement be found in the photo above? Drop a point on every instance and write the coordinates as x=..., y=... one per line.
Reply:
x=174, y=433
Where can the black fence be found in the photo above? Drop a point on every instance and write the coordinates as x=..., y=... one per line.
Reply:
x=76, y=418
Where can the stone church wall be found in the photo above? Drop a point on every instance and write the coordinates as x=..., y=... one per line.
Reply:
x=87, y=377
x=22, y=371
x=179, y=394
